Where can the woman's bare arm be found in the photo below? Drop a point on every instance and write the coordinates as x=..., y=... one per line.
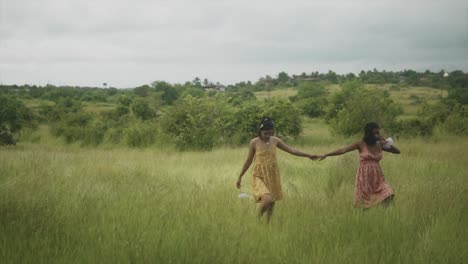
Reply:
x=292, y=150
x=341, y=151
x=247, y=162
x=392, y=149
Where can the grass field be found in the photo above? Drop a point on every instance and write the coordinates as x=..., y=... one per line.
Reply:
x=63, y=204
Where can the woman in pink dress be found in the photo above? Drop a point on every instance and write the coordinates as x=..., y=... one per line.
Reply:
x=370, y=185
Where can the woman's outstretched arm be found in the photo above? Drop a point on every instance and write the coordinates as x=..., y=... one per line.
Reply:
x=341, y=151
x=392, y=149
x=247, y=162
x=293, y=151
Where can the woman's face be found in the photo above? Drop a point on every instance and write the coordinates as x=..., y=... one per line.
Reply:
x=266, y=134
x=376, y=133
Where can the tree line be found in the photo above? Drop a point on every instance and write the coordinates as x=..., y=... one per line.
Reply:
x=202, y=115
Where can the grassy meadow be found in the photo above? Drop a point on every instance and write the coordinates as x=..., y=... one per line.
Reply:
x=66, y=204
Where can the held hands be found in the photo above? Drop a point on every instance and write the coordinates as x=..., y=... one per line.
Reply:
x=322, y=157
x=312, y=157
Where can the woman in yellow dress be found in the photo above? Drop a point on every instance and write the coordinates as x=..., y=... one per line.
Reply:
x=266, y=182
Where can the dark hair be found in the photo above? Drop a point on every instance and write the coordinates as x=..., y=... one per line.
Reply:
x=369, y=137
x=266, y=124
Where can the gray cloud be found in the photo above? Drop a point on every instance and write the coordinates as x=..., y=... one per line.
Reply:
x=127, y=43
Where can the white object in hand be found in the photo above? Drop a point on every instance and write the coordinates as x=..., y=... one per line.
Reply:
x=389, y=143
x=244, y=195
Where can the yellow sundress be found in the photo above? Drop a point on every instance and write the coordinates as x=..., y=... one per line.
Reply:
x=265, y=174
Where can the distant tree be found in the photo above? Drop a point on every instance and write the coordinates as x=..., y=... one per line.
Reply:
x=124, y=100
x=331, y=76
x=311, y=98
x=363, y=106
x=338, y=100
x=197, y=82
x=142, y=110
x=168, y=93
x=142, y=91
x=192, y=91
x=283, y=77
x=112, y=91
x=206, y=83
x=14, y=115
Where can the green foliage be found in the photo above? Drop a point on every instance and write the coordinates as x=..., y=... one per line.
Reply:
x=141, y=109
x=72, y=127
x=453, y=119
x=202, y=123
x=458, y=95
x=14, y=115
x=338, y=100
x=283, y=77
x=195, y=123
x=363, y=106
x=124, y=100
x=412, y=128
x=287, y=118
x=142, y=91
x=244, y=123
x=311, y=98
x=140, y=134
x=62, y=107
x=312, y=107
x=457, y=121
x=94, y=132
x=239, y=96
x=193, y=91
x=168, y=93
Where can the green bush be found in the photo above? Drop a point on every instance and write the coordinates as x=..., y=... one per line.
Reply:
x=338, y=100
x=311, y=99
x=395, y=88
x=141, y=109
x=457, y=121
x=140, y=134
x=312, y=107
x=72, y=127
x=288, y=120
x=244, y=123
x=363, y=106
x=195, y=123
x=14, y=115
x=94, y=132
x=412, y=128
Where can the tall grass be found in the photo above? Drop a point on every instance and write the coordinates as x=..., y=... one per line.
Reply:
x=88, y=205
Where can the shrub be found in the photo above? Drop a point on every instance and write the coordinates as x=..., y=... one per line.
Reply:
x=14, y=115
x=457, y=121
x=72, y=126
x=363, y=106
x=412, y=128
x=142, y=110
x=140, y=134
x=245, y=121
x=195, y=123
x=311, y=98
x=338, y=100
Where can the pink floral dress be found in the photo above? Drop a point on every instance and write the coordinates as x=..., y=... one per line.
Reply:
x=370, y=185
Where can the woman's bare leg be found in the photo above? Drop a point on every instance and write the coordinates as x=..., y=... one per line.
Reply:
x=265, y=203
x=270, y=212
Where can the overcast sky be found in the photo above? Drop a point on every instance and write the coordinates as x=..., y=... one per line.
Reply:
x=129, y=43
